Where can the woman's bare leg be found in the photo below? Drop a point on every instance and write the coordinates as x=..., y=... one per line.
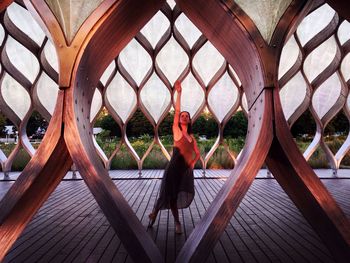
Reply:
x=175, y=212
x=152, y=216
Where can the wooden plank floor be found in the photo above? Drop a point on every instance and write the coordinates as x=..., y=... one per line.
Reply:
x=267, y=227
x=147, y=174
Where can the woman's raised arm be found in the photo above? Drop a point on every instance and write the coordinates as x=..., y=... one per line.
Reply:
x=176, y=130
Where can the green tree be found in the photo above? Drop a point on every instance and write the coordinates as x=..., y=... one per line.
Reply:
x=339, y=124
x=198, y=126
x=165, y=128
x=2, y=124
x=35, y=122
x=139, y=125
x=237, y=126
x=107, y=123
x=304, y=125
x=205, y=125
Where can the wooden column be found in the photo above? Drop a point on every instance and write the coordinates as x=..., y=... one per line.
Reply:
x=69, y=137
x=306, y=190
x=37, y=181
x=284, y=159
x=209, y=230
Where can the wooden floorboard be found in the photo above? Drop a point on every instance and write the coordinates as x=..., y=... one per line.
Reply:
x=266, y=227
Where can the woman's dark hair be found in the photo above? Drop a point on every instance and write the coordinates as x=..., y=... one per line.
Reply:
x=189, y=125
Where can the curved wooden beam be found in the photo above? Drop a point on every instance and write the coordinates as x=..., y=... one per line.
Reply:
x=207, y=232
x=37, y=181
x=20, y=36
x=221, y=125
x=306, y=190
x=231, y=39
x=229, y=36
x=13, y=71
x=69, y=136
x=341, y=7
x=66, y=52
x=110, y=35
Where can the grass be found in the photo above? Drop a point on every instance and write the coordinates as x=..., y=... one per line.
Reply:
x=22, y=158
x=156, y=159
x=318, y=159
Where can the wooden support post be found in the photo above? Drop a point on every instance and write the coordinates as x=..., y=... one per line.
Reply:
x=208, y=231
x=313, y=200
x=284, y=160
x=306, y=190
x=37, y=181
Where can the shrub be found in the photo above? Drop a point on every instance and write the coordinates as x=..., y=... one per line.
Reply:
x=157, y=160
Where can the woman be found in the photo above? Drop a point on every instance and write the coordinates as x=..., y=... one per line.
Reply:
x=177, y=187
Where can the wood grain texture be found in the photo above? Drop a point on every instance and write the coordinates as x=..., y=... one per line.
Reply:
x=115, y=29
x=306, y=190
x=39, y=178
x=342, y=7
x=266, y=227
x=208, y=231
x=268, y=56
x=67, y=53
x=231, y=39
x=69, y=138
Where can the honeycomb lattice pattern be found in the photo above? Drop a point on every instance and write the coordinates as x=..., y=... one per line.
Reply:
x=314, y=74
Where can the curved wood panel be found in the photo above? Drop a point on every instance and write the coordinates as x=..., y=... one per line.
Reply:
x=205, y=235
x=100, y=39
x=208, y=231
x=39, y=178
x=306, y=190
x=324, y=34
x=223, y=30
x=126, y=18
x=14, y=72
x=20, y=36
x=342, y=7
x=67, y=53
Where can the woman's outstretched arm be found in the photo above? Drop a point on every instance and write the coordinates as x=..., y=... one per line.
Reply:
x=176, y=130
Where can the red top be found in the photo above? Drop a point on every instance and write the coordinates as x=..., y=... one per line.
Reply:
x=186, y=148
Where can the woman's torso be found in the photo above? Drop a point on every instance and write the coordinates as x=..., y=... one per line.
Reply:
x=185, y=148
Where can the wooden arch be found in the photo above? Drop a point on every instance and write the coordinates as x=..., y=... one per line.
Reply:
x=69, y=139
x=105, y=32
x=282, y=155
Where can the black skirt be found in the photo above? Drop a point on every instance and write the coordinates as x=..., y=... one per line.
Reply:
x=177, y=183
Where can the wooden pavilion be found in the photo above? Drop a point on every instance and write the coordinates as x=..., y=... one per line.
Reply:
x=268, y=52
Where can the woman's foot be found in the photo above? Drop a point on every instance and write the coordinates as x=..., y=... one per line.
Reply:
x=178, y=228
x=152, y=218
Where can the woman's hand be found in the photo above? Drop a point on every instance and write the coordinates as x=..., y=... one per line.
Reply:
x=178, y=87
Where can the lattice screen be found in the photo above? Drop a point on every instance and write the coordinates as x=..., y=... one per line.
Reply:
x=314, y=73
